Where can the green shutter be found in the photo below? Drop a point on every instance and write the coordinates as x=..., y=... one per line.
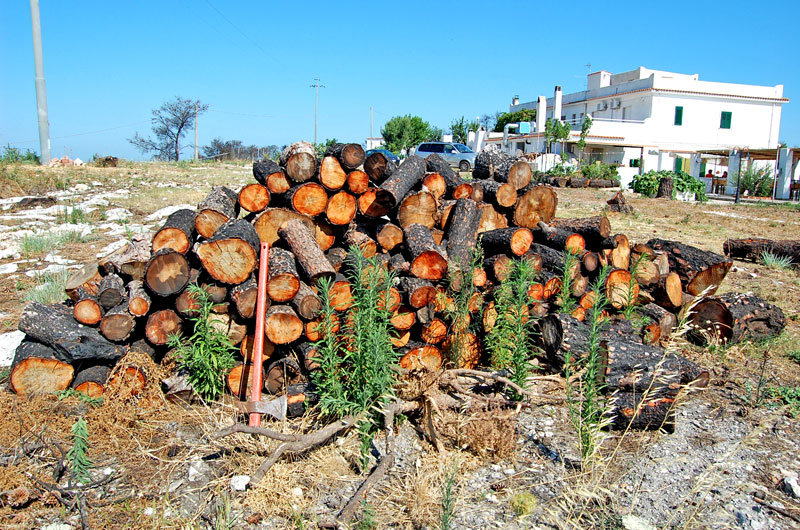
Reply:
x=678, y=164
x=678, y=115
x=725, y=120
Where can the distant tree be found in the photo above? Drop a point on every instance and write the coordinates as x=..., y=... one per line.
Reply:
x=435, y=134
x=586, y=125
x=170, y=122
x=271, y=151
x=322, y=147
x=488, y=121
x=220, y=149
x=514, y=117
x=556, y=131
x=405, y=132
x=460, y=129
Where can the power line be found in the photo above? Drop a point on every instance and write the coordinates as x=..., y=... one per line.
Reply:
x=82, y=133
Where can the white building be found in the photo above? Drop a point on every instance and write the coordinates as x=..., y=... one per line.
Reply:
x=650, y=119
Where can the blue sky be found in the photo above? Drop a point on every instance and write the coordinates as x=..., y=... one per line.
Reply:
x=108, y=64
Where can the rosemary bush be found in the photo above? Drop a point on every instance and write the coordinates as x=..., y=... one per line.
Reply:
x=356, y=365
x=207, y=355
x=586, y=405
x=79, y=463
x=510, y=341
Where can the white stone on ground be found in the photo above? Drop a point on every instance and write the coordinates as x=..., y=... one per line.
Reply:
x=8, y=268
x=167, y=211
x=118, y=214
x=116, y=245
x=239, y=482
x=8, y=346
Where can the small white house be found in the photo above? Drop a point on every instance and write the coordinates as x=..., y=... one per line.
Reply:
x=650, y=119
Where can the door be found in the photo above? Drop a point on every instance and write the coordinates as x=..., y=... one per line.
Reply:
x=450, y=154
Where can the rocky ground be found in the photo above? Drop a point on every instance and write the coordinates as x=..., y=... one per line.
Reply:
x=731, y=463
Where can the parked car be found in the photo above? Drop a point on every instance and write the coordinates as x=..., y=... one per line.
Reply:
x=388, y=154
x=455, y=154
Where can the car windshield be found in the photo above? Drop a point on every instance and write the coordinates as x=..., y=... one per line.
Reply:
x=462, y=148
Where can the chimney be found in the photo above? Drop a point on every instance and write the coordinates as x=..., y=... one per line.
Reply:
x=541, y=114
x=515, y=100
x=557, y=103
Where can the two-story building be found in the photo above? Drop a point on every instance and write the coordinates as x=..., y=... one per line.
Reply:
x=650, y=119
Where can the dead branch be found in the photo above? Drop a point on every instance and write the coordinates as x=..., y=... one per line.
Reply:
x=777, y=509
x=292, y=443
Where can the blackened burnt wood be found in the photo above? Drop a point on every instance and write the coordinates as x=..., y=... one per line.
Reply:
x=161, y=324
x=428, y=260
x=488, y=162
x=462, y=233
x=138, y=299
x=562, y=336
x=306, y=302
x=254, y=197
x=299, y=161
x=177, y=232
x=665, y=188
x=55, y=326
x=512, y=241
x=331, y=174
x=503, y=195
x=283, y=279
x=282, y=325
x=244, y=296
x=396, y=187
x=637, y=412
x=602, y=183
x=517, y=174
x=357, y=182
x=552, y=259
x=37, y=370
x=217, y=208
x=419, y=292
x=262, y=169
x=341, y=208
x=351, y=156
x=389, y=236
x=378, y=167
x=559, y=238
x=111, y=291
x=593, y=229
x=307, y=251
x=734, y=317
x=269, y=222
x=280, y=374
x=87, y=278
x=436, y=164
x=619, y=204
x=231, y=255
x=308, y=198
x=698, y=269
x=537, y=204
x=753, y=249
x=87, y=310
x=91, y=381
x=118, y=323
x=635, y=367
x=130, y=260
x=660, y=316
x=420, y=207
x=497, y=267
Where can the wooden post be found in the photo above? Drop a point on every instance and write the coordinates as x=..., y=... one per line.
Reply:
x=258, y=344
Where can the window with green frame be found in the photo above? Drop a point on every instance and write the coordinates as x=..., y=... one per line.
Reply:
x=725, y=120
x=678, y=115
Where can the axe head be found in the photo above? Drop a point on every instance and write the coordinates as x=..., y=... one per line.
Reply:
x=274, y=407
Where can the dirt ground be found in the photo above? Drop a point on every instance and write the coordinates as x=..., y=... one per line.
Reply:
x=724, y=467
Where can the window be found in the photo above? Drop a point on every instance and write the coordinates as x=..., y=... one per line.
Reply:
x=573, y=117
x=725, y=120
x=678, y=116
x=634, y=162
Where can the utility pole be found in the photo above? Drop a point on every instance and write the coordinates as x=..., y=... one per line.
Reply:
x=316, y=86
x=195, y=132
x=41, y=92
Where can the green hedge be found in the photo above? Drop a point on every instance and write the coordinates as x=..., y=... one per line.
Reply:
x=647, y=183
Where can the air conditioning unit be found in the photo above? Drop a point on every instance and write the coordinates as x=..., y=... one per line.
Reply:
x=615, y=104
x=603, y=105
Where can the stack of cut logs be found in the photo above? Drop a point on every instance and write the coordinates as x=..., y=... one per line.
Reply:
x=419, y=219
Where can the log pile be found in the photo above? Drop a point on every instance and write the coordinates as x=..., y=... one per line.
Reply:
x=419, y=219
